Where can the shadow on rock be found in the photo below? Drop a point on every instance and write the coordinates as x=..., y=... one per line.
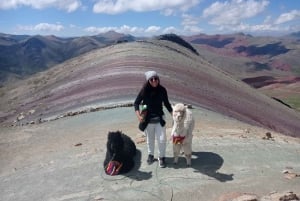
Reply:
x=209, y=163
x=135, y=173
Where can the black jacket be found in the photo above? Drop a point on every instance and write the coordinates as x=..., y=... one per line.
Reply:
x=154, y=98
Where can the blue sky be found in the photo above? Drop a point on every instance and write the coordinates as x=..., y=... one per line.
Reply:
x=149, y=17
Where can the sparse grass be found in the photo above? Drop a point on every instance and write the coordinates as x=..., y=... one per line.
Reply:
x=293, y=101
x=290, y=98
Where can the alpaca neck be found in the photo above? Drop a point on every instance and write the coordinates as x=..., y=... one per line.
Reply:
x=178, y=128
x=178, y=124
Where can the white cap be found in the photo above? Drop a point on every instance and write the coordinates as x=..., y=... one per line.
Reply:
x=150, y=74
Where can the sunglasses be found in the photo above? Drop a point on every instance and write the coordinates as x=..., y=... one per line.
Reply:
x=153, y=79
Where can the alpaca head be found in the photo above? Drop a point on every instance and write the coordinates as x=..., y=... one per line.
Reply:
x=179, y=112
x=115, y=142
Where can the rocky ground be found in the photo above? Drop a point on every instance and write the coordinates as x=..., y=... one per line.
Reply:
x=62, y=160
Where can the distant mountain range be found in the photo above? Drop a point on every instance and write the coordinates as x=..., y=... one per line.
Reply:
x=23, y=55
x=271, y=64
x=239, y=54
x=245, y=55
x=112, y=75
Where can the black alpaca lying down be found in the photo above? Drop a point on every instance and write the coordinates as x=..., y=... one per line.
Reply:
x=120, y=153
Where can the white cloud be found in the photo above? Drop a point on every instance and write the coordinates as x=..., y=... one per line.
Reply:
x=68, y=5
x=170, y=29
x=233, y=15
x=168, y=12
x=191, y=30
x=188, y=20
x=149, y=31
x=286, y=17
x=96, y=30
x=120, y=6
x=152, y=29
x=123, y=29
x=130, y=30
x=190, y=24
x=259, y=29
x=73, y=26
x=255, y=28
x=268, y=19
x=44, y=27
x=232, y=12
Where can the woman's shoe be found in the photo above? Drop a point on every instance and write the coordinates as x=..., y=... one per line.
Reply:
x=162, y=162
x=150, y=159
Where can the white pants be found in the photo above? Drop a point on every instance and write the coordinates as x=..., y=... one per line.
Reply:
x=153, y=131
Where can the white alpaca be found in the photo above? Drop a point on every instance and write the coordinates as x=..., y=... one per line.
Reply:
x=182, y=132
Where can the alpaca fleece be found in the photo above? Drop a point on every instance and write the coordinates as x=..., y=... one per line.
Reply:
x=120, y=150
x=182, y=132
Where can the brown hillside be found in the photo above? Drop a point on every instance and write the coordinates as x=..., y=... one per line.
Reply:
x=115, y=74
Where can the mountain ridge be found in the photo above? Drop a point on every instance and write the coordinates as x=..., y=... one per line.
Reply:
x=24, y=55
x=114, y=74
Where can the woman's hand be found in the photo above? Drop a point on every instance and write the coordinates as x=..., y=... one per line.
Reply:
x=139, y=116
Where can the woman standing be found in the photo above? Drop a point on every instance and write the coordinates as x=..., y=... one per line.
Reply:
x=153, y=96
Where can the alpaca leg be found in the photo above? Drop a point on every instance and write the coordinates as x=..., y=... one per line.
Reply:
x=188, y=154
x=188, y=160
x=176, y=151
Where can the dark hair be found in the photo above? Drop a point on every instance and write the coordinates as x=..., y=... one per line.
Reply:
x=147, y=87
